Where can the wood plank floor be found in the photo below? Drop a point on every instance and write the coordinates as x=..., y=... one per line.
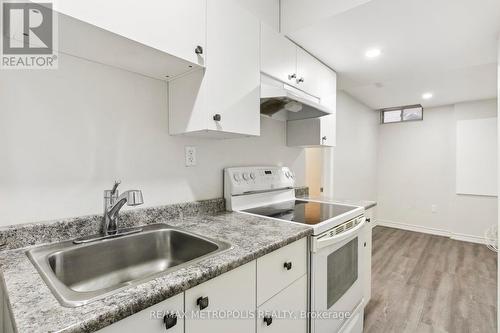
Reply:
x=425, y=283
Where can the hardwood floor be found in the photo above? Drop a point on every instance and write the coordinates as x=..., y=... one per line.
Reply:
x=425, y=283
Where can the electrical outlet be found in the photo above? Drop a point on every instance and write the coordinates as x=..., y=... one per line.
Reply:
x=434, y=209
x=190, y=155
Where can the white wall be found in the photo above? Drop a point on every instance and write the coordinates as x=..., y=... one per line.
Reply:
x=416, y=175
x=268, y=11
x=66, y=134
x=313, y=170
x=355, y=156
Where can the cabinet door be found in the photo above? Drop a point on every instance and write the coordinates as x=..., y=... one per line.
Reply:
x=292, y=300
x=328, y=88
x=172, y=26
x=367, y=284
x=232, y=77
x=151, y=319
x=232, y=292
x=328, y=130
x=223, y=100
x=278, y=56
x=308, y=69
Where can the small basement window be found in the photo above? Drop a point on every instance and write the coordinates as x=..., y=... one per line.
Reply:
x=401, y=114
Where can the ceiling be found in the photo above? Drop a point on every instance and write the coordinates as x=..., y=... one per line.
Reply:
x=447, y=47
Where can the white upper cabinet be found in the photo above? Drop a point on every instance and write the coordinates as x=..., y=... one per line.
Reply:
x=172, y=26
x=278, y=56
x=288, y=63
x=328, y=125
x=223, y=100
x=232, y=75
x=312, y=132
x=309, y=71
x=328, y=88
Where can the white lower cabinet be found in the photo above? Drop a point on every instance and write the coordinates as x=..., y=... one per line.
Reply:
x=278, y=269
x=367, y=243
x=231, y=294
x=285, y=312
x=228, y=303
x=162, y=317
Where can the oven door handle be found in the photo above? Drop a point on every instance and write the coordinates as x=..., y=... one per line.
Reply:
x=323, y=242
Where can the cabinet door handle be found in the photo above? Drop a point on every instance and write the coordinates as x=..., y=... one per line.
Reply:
x=300, y=80
x=292, y=76
x=202, y=302
x=268, y=320
x=198, y=50
x=170, y=320
x=217, y=117
x=288, y=265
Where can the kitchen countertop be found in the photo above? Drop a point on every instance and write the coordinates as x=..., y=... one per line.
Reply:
x=35, y=309
x=367, y=204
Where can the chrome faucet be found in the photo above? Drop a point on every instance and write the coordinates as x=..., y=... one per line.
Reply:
x=113, y=202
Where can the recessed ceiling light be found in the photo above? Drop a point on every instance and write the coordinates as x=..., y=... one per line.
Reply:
x=427, y=95
x=373, y=53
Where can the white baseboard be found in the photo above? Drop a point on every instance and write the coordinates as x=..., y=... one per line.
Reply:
x=468, y=238
x=431, y=231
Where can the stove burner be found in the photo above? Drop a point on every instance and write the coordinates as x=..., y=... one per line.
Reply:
x=306, y=212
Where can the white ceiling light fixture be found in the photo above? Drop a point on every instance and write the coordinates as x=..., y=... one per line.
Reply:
x=427, y=95
x=373, y=53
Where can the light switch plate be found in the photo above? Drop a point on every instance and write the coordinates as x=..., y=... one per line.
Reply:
x=190, y=155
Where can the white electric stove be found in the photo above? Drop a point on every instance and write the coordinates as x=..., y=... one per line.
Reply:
x=336, y=252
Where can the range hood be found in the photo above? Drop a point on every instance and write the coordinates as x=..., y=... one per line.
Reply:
x=281, y=101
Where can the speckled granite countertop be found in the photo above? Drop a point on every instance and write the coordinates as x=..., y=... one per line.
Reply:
x=367, y=204
x=35, y=309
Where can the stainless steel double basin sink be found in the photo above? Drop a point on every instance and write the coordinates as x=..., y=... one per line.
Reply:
x=81, y=273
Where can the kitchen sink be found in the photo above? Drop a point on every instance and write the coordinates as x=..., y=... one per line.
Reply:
x=81, y=273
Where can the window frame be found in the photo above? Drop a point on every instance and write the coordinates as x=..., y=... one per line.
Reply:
x=401, y=109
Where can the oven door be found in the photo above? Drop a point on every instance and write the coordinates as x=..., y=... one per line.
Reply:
x=336, y=279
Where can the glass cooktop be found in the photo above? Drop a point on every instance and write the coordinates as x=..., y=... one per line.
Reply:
x=306, y=212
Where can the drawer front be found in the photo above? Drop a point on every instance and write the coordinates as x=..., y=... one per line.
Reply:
x=292, y=299
x=274, y=272
x=151, y=319
x=230, y=293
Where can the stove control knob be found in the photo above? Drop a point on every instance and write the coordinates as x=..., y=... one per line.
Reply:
x=246, y=176
x=252, y=175
x=237, y=177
